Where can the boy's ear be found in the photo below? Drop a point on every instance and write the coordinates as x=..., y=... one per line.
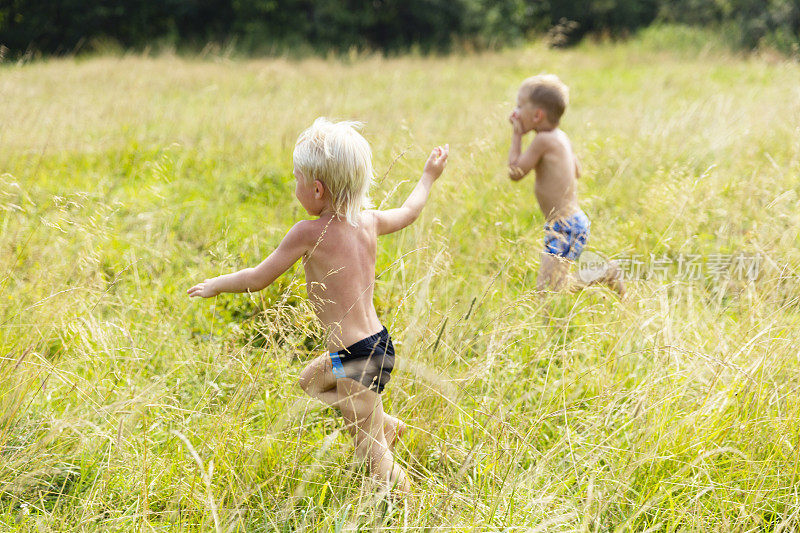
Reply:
x=319, y=189
x=539, y=114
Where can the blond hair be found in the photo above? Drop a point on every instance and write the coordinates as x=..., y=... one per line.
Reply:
x=549, y=93
x=338, y=156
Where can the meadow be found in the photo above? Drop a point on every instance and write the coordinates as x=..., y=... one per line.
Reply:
x=125, y=179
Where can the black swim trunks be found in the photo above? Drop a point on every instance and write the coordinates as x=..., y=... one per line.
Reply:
x=369, y=361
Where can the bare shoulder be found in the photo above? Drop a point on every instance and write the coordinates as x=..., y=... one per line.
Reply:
x=546, y=140
x=370, y=219
x=564, y=139
x=370, y=216
x=303, y=233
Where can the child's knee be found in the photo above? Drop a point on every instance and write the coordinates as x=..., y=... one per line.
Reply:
x=306, y=379
x=311, y=375
x=303, y=382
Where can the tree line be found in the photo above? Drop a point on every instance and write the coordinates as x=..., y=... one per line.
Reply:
x=322, y=26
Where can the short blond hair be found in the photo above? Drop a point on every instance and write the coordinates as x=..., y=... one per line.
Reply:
x=338, y=156
x=549, y=93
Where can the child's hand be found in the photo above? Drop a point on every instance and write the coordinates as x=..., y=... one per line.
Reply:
x=203, y=290
x=513, y=118
x=434, y=166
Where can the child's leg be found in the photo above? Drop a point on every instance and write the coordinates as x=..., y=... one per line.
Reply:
x=362, y=409
x=554, y=276
x=612, y=278
x=553, y=273
x=393, y=429
x=318, y=381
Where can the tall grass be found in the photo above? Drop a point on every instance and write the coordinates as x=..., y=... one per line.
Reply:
x=124, y=406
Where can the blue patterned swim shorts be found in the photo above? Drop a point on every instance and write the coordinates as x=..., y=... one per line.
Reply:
x=566, y=237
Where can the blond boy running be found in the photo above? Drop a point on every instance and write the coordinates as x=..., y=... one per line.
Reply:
x=541, y=101
x=333, y=171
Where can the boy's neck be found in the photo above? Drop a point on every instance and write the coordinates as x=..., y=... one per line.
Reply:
x=327, y=211
x=545, y=128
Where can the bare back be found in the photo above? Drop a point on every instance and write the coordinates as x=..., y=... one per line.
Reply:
x=340, y=277
x=556, y=176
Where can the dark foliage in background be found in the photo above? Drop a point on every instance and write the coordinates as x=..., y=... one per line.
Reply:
x=749, y=23
x=265, y=26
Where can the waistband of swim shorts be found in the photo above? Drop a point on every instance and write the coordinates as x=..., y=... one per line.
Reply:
x=370, y=341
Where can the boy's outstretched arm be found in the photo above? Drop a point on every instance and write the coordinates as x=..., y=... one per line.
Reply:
x=392, y=220
x=293, y=246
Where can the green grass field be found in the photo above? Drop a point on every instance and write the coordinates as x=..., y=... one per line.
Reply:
x=126, y=406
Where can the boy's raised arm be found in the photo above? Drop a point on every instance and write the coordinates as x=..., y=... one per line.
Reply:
x=392, y=220
x=520, y=163
x=293, y=246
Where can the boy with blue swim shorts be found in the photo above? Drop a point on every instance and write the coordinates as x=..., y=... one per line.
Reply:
x=333, y=173
x=541, y=101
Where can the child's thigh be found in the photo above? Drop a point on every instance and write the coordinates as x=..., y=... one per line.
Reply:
x=553, y=272
x=358, y=403
x=319, y=373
